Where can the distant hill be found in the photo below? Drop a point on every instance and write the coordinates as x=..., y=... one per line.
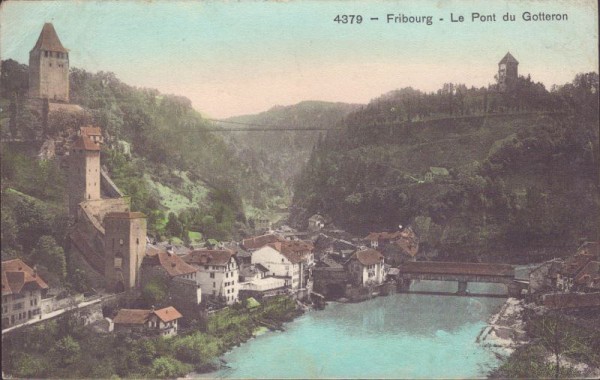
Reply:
x=280, y=155
x=522, y=169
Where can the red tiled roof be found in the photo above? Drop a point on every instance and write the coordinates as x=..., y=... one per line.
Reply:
x=260, y=241
x=368, y=257
x=571, y=300
x=140, y=316
x=125, y=215
x=294, y=250
x=209, y=257
x=132, y=316
x=168, y=314
x=48, y=40
x=574, y=264
x=90, y=130
x=84, y=142
x=408, y=242
x=170, y=262
x=439, y=267
x=17, y=276
x=590, y=274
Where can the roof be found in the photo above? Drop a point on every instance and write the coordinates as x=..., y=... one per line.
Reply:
x=17, y=276
x=85, y=143
x=571, y=300
x=48, y=40
x=168, y=314
x=125, y=215
x=219, y=257
x=251, y=270
x=294, y=250
x=408, y=242
x=574, y=264
x=383, y=235
x=438, y=170
x=508, y=58
x=367, y=257
x=438, y=267
x=140, y=316
x=589, y=274
x=260, y=241
x=591, y=248
x=170, y=262
x=90, y=130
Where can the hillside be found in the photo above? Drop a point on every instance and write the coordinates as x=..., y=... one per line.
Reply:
x=176, y=164
x=522, y=175
x=280, y=155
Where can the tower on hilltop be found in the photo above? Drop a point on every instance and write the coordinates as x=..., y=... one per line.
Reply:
x=508, y=72
x=49, y=67
x=124, y=249
x=84, y=172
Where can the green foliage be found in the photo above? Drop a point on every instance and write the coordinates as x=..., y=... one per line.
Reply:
x=197, y=348
x=155, y=291
x=371, y=176
x=66, y=350
x=51, y=255
x=167, y=367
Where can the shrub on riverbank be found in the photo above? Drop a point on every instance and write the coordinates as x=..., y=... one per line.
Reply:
x=552, y=335
x=33, y=352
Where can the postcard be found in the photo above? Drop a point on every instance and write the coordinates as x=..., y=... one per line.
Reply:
x=300, y=189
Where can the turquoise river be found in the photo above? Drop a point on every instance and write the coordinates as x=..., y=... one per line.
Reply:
x=398, y=336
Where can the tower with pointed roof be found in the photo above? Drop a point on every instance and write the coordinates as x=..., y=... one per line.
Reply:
x=508, y=72
x=84, y=172
x=49, y=67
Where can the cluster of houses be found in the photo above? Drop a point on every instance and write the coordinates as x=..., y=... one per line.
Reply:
x=197, y=280
x=571, y=282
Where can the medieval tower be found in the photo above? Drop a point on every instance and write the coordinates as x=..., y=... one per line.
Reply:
x=124, y=249
x=49, y=67
x=84, y=172
x=508, y=72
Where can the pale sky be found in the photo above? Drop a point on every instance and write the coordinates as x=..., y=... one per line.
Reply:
x=233, y=58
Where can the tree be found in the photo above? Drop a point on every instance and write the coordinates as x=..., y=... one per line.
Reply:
x=46, y=252
x=155, y=291
x=66, y=350
x=174, y=226
x=167, y=367
x=555, y=334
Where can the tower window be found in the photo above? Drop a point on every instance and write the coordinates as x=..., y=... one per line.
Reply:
x=121, y=241
x=50, y=64
x=45, y=53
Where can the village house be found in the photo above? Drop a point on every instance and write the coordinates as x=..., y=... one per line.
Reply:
x=22, y=292
x=316, y=222
x=257, y=242
x=288, y=259
x=366, y=267
x=588, y=279
x=403, y=248
x=435, y=173
x=570, y=269
x=180, y=278
x=252, y=272
x=218, y=273
x=152, y=322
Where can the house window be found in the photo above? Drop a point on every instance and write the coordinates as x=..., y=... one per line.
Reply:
x=45, y=53
x=206, y=267
x=214, y=284
x=212, y=274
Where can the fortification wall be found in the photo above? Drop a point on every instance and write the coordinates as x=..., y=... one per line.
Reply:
x=98, y=208
x=108, y=187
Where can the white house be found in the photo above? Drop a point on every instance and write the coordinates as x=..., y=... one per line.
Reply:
x=291, y=259
x=366, y=267
x=22, y=291
x=218, y=273
x=162, y=322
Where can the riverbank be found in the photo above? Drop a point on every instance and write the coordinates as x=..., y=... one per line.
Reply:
x=63, y=348
x=528, y=339
x=505, y=331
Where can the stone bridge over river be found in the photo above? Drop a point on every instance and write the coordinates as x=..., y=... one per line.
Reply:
x=463, y=273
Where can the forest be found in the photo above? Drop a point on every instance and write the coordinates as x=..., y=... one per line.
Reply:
x=522, y=169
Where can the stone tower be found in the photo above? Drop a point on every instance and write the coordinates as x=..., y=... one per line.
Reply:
x=49, y=67
x=124, y=249
x=508, y=72
x=84, y=172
